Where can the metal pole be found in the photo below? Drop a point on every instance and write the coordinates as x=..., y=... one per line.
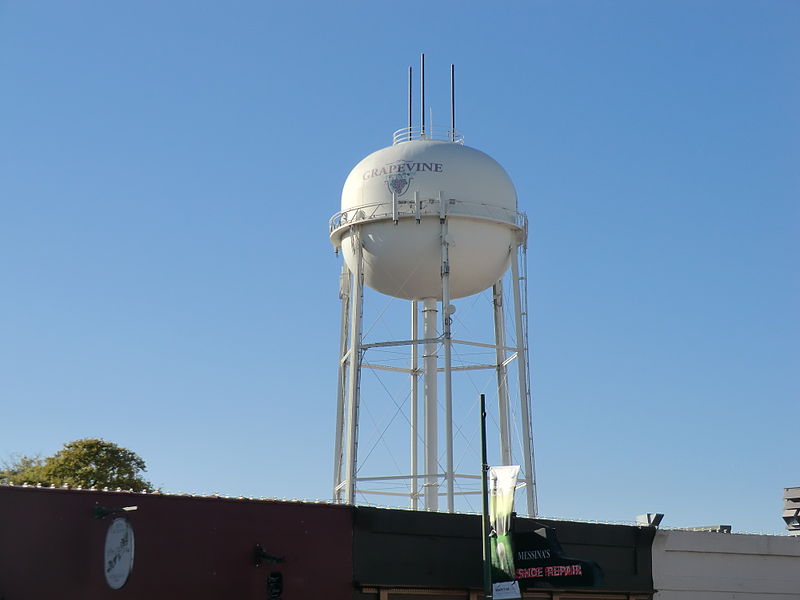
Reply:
x=453, y=103
x=354, y=375
x=430, y=359
x=448, y=346
x=487, y=551
x=522, y=376
x=338, y=455
x=409, y=102
x=422, y=91
x=502, y=373
x=414, y=404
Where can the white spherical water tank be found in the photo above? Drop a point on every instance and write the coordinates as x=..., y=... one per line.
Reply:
x=398, y=195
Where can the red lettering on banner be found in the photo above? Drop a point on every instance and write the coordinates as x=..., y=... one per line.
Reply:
x=530, y=573
x=552, y=571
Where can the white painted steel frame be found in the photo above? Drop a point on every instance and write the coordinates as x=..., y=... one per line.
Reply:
x=351, y=364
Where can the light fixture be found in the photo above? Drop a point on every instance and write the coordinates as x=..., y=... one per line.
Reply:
x=101, y=512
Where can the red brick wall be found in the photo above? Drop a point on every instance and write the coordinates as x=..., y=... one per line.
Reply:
x=185, y=547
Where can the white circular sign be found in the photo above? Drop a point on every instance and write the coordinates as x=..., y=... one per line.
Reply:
x=118, y=558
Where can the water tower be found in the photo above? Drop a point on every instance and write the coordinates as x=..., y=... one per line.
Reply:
x=430, y=220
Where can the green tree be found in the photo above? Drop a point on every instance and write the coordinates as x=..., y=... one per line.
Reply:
x=22, y=469
x=83, y=463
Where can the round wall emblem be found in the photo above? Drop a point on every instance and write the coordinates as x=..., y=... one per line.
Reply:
x=118, y=559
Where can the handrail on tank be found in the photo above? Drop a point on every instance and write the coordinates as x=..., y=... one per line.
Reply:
x=406, y=134
x=405, y=208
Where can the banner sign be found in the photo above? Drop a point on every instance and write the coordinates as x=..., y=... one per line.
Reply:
x=118, y=553
x=502, y=484
x=539, y=558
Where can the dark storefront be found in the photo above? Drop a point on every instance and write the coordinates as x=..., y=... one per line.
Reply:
x=403, y=555
x=53, y=545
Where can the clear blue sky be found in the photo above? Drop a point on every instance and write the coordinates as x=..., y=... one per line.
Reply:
x=167, y=170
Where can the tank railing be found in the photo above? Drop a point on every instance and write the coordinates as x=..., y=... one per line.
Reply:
x=428, y=207
x=406, y=134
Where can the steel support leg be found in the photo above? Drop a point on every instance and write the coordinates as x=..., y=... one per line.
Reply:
x=341, y=395
x=414, y=405
x=354, y=369
x=522, y=376
x=502, y=373
x=430, y=359
x=447, y=320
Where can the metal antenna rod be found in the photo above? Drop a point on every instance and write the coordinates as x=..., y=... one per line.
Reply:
x=452, y=102
x=422, y=91
x=409, y=102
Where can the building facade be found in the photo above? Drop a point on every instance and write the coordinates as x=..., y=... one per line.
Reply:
x=700, y=565
x=53, y=545
x=92, y=545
